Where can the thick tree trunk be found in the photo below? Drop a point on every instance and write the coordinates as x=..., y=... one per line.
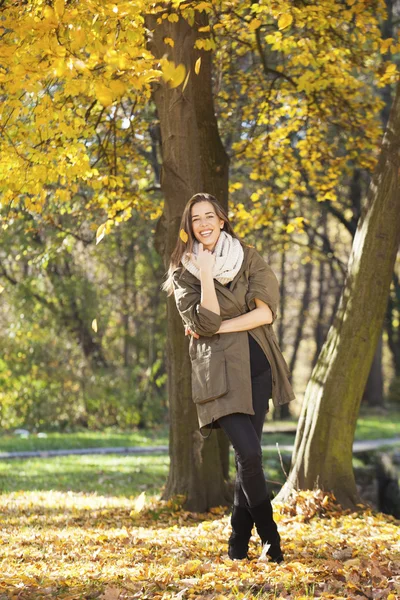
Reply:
x=323, y=447
x=194, y=160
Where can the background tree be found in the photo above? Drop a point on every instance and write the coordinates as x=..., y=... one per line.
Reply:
x=323, y=447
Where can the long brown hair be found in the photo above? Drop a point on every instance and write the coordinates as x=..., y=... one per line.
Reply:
x=186, y=224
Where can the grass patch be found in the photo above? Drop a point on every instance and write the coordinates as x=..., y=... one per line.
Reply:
x=109, y=475
x=109, y=438
x=371, y=425
x=113, y=475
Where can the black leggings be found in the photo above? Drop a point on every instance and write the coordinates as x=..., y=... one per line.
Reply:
x=244, y=432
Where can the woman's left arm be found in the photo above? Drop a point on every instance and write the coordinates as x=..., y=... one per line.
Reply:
x=260, y=315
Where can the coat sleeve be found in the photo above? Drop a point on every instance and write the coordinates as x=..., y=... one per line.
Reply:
x=263, y=284
x=187, y=297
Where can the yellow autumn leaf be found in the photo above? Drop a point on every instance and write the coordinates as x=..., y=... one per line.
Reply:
x=1, y=289
x=186, y=81
x=117, y=87
x=169, y=41
x=100, y=232
x=140, y=502
x=94, y=325
x=173, y=75
x=48, y=13
x=59, y=7
x=254, y=24
x=104, y=94
x=284, y=21
x=173, y=18
x=183, y=235
x=385, y=45
x=391, y=68
x=197, y=66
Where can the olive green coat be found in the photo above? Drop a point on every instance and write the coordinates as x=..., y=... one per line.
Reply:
x=221, y=380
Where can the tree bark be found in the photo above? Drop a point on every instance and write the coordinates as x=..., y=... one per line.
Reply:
x=193, y=160
x=323, y=446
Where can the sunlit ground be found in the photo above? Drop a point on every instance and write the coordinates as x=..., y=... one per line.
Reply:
x=75, y=545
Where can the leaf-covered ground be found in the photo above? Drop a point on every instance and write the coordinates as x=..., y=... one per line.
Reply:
x=73, y=545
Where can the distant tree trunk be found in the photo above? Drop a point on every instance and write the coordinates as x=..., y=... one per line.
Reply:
x=303, y=314
x=193, y=160
x=282, y=412
x=321, y=326
x=392, y=323
x=373, y=393
x=393, y=330
x=323, y=446
x=305, y=303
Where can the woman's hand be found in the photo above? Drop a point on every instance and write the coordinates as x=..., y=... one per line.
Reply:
x=204, y=260
x=189, y=331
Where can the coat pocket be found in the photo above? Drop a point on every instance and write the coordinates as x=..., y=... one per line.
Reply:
x=209, y=380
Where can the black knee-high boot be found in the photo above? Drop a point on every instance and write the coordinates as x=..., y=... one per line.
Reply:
x=242, y=525
x=267, y=529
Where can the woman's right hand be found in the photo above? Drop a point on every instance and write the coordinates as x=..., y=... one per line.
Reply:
x=204, y=260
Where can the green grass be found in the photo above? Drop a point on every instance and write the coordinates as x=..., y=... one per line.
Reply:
x=369, y=426
x=110, y=475
x=372, y=426
x=85, y=439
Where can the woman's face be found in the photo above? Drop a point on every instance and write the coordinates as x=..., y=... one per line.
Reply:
x=206, y=224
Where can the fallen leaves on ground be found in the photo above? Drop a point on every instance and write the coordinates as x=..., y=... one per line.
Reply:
x=70, y=546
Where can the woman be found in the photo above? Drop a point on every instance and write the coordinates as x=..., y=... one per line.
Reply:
x=227, y=297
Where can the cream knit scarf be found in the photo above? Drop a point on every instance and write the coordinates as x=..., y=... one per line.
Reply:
x=228, y=260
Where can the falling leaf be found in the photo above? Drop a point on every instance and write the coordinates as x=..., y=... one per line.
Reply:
x=186, y=81
x=140, y=502
x=173, y=75
x=264, y=553
x=94, y=325
x=100, y=232
x=1, y=289
x=197, y=66
x=183, y=235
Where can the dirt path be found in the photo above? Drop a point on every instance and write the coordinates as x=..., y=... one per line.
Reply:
x=359, y=446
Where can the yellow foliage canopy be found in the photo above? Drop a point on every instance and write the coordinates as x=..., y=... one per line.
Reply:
x=76, y=77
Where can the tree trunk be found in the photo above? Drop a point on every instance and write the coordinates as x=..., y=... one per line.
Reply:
x=373, y=393
x=282, y=412
x=323, y=446
x=193, y=160
x=393, y=329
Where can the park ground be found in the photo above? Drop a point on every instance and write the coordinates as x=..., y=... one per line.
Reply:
x=95, y=527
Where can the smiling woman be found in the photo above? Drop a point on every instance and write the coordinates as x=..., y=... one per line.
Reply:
x=227, y=296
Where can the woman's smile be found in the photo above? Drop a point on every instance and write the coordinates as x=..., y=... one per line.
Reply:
x=206, y=224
